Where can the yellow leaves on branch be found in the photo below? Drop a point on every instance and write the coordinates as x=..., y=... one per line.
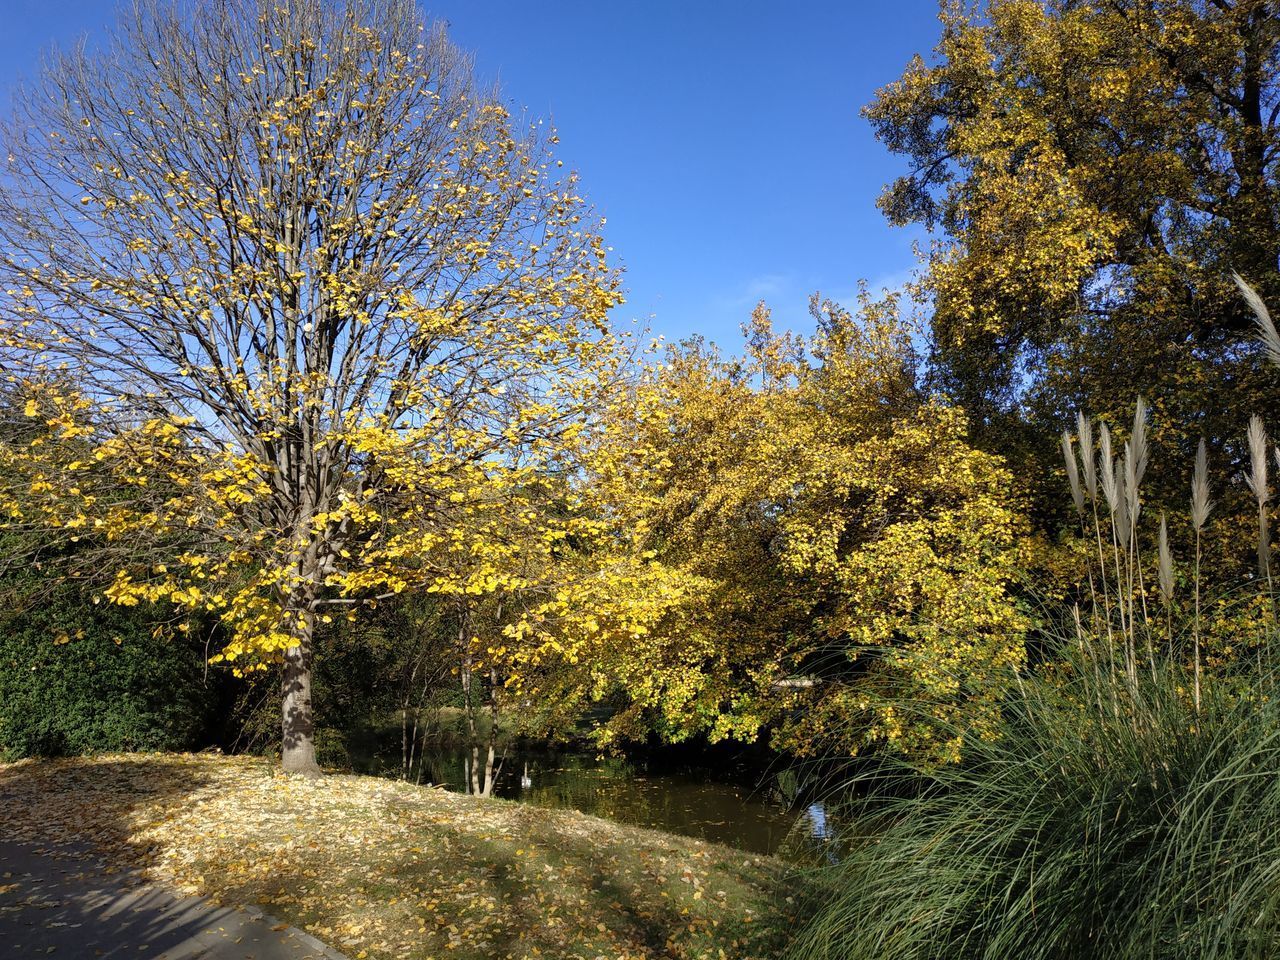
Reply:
x=353, y=345
x=842, y=555
x=1094, y=173
x=455, y=515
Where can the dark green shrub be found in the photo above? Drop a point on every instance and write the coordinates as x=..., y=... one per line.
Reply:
x=78, y=677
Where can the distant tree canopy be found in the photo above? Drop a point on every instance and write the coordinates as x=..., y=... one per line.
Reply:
x=1097, y=170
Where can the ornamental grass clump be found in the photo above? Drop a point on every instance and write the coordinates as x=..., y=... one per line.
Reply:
x=1128, y=803
x=1144, y=828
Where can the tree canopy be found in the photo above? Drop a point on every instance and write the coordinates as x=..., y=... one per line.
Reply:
x=845, y=556
x=322, y=319
x=1096, y=171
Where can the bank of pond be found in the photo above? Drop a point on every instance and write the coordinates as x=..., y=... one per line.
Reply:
x=740, y=797
x=386, y=870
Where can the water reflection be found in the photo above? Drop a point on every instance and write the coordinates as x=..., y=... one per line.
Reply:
x=647, y=793
x=820, y=831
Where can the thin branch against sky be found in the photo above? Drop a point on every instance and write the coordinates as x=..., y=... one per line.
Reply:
x=721, y=140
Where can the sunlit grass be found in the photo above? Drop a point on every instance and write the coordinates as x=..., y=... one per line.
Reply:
x=384, y=869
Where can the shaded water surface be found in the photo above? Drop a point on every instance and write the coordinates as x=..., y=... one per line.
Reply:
x=724, y=804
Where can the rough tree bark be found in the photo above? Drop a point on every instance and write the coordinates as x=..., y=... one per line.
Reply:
x=298, y=745
x=297, y=721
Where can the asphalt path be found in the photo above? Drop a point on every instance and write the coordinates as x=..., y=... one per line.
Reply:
x=60, y=902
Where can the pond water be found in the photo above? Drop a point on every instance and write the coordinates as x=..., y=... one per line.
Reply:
x=726, y=803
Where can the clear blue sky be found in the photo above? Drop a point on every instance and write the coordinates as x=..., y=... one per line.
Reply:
x=721, y=138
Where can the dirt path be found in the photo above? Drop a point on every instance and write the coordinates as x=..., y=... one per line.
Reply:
x=65, y=903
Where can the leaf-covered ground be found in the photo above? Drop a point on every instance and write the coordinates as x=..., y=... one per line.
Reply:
x=382, y=869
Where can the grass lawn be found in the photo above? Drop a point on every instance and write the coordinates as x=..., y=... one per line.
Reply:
x=382, y=869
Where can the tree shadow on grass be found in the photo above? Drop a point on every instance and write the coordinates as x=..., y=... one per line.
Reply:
x=69, y=881
x=88, y=804
x=475, y=879
x=457, y=889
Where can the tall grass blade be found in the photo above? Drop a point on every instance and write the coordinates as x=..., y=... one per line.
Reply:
x=1073, y=472
x=1266, y=326
x=1165, y=562
x=1132, y=486
x=1201, y=505
x=1106, y=469
x=1084, y=430
x=1138, y=442
x=1256, y=478
x=1120, y=473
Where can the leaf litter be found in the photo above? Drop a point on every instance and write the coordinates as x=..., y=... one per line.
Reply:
x=387, y=870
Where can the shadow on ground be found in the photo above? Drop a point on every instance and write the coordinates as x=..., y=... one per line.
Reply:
x=69, y=885
x=366, y=864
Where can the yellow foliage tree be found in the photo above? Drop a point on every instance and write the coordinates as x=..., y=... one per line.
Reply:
x=1095, y=171
x=322, y=319
x=845, y=556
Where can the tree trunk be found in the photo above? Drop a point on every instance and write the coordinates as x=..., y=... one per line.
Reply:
x=1255, y=232
x=298, y=744
x=473, y=735
x=490, y=772
x=491, y=768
